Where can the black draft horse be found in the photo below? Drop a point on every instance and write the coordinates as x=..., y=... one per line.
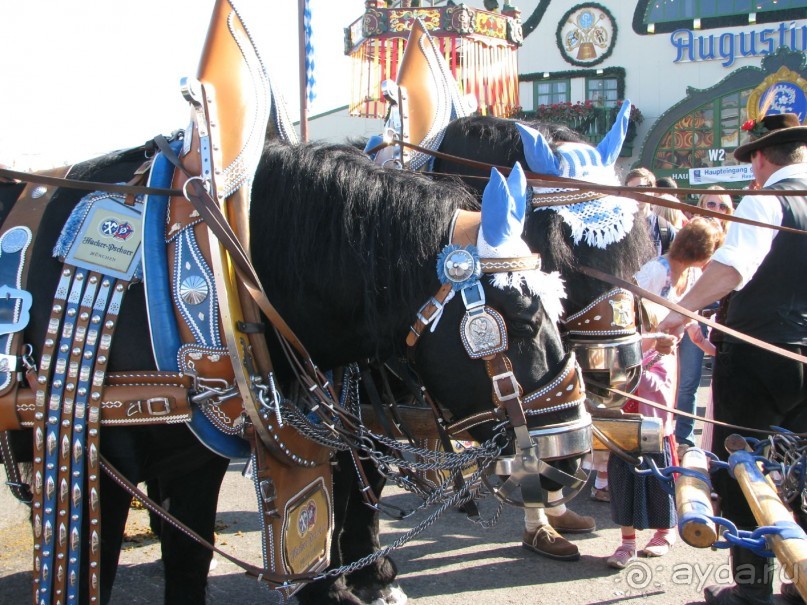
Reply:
x=497, y=142
x=346, y=251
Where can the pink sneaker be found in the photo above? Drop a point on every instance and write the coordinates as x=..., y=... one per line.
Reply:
x=659, y=545
x=621, y=557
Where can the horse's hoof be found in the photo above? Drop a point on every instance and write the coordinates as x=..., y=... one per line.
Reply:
x=391, y=595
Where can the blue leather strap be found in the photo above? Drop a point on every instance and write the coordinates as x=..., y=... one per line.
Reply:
x=165, y=338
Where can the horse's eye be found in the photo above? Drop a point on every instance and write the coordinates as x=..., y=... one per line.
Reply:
x=522, y=330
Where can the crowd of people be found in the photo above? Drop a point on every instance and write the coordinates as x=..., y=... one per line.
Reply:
x=752, y=278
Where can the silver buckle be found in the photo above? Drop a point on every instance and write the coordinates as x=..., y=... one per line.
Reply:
x=163, y=401
x=438, y=307
x=513, y=382
x=479, y=296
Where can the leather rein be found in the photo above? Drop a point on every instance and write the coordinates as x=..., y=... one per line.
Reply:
x=591, y=191
x=639, y=291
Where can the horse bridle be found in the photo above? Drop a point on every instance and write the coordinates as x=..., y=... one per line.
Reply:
x=484, y=335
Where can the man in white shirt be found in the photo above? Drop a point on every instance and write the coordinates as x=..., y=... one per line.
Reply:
x=764, y=270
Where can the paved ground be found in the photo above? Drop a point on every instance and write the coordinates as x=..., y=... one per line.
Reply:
x=453, y=562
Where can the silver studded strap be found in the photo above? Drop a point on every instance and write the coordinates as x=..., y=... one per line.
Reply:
x=66, y=433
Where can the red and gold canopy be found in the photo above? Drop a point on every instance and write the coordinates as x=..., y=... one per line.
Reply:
x=479, y=46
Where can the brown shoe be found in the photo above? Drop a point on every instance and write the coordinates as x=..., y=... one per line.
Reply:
x=572, y=523
x=546, y=542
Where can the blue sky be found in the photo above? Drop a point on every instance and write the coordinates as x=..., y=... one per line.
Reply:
x=82, y=77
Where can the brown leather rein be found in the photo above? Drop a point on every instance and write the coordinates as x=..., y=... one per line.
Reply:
x=534, y=179
x=610, y=279
x=639, y=194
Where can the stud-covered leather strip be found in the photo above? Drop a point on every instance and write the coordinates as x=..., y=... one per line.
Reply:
x=89, y=318
x=554, y=198
x=45, y=483
x=505, y=265
x=611, y=314
x=71, y=439
x=95, y=385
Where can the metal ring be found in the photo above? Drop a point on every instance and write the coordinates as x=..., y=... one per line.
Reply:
x=398, y=164
x=193, y=178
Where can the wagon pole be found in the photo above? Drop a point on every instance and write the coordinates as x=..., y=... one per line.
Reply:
x=303, y=76
x=790, y=548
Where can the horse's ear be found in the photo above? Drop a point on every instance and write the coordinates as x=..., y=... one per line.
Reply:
x=373, y=142
x=540, y=157
x=500, y=218
x=517, y=184
x=611, y=144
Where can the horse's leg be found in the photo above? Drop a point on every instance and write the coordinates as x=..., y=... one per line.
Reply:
x=191, y=496
x=115, y=503
x=374, y=583
x=153, y=492
x=334, y=590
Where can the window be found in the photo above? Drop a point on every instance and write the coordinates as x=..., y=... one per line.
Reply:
x=602, y=91
x=702, y=137
x=549, y=92
x=660, y=11
x=668, y=15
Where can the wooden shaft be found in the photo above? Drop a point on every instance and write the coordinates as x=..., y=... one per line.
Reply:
x=694, y=502
x=627, y=433
x=769, y=510
x=302, y=72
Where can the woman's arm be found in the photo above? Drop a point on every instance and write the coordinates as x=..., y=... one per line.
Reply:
x=697, y=337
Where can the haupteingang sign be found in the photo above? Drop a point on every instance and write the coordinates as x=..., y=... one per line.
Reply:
x=720, y=174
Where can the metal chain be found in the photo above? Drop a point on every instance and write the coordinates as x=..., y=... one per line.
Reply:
x=789, y=453
x=467, y=493
x=322, y=425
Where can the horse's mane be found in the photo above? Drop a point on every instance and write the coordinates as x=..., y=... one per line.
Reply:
x=329, y=223
x=497, y=141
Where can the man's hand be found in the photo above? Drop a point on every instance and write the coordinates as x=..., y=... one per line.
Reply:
x=674, y=324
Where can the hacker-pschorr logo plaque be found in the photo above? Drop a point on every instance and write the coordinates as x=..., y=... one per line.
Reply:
x=307, y=529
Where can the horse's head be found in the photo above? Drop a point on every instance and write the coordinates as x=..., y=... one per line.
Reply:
x=490, y=335
x=601, y=325
x=599, y=231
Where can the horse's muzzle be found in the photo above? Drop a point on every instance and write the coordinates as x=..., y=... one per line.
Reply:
x=616, y=363
x=526, y=478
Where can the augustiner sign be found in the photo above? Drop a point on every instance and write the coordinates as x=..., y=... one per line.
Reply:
x=692, y=46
